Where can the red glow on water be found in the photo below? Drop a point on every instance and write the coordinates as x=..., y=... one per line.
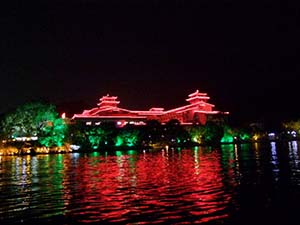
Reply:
x=165, y=184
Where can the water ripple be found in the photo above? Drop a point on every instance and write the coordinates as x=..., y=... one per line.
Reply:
x=175, y=187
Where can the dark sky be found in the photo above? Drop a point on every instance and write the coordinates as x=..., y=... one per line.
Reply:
x=153, y=53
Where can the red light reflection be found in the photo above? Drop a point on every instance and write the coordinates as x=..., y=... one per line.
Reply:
x=165, y=186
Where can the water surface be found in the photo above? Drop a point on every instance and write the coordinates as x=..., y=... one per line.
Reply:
x=233, y=184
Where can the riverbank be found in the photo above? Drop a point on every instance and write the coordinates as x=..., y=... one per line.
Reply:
x=67, y=148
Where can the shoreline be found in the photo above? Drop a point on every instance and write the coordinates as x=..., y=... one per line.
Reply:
x=14, y=151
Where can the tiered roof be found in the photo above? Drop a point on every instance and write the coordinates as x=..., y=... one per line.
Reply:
x=108, y=101
x=197, y=97
x=108, y=108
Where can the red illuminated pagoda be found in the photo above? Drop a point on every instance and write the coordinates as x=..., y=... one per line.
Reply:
x=195, y=112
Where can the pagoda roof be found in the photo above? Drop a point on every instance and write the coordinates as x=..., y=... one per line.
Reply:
x=108, y=97
x=198, y=97
x=107, y=108
x=197, y=93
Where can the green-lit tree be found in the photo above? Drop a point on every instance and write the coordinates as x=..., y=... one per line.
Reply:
x=95, y=136
x=235, y=135
x=35, y=120
x=53, y=133
x=229, y=135
x=90, y=137
x=127, y=137
x=197, y=134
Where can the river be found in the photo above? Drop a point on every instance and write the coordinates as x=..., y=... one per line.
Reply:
x=233, y=184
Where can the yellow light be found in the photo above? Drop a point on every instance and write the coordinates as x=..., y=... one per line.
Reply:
x=255, y=137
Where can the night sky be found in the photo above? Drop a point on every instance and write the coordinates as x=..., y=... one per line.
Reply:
x=153, y=53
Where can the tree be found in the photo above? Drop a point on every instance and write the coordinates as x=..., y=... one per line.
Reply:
x=197, y=134
x=95, y=136
x=174, y=133
x=152, y=132
x=35, y=120
x=292, y=126
x=127, y=137
x=291, y=129
x=235, y=135
x=213, y=133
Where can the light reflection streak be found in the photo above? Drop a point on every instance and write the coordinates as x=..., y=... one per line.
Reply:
x=138, y=184
x=274, y=160
x=125, y=188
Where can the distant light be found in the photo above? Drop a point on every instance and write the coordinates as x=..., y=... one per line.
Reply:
x=20, y=138
x=75, y=147
x=255, y=137
x=63, y=116
x=75, y=155
x=271, y=134
x=33, y=138
x=119, y=123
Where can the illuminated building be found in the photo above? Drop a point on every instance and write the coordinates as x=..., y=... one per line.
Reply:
x=195, y=112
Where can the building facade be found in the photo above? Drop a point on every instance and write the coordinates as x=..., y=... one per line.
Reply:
x=196, y=111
